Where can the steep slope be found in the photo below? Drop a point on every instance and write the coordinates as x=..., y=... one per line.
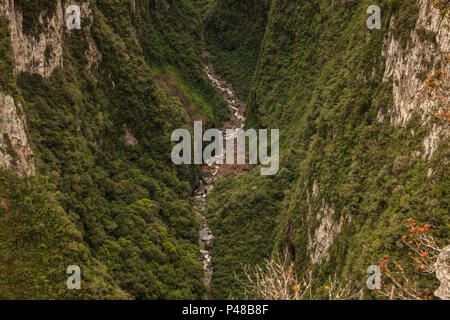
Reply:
x=86, y=119
x=233, y=33
x=355, y=141
x=90, y=113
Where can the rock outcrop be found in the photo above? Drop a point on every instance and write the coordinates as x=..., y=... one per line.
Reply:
x=40, y=54
x=127, y=138
x=323, y=238
x=15, y=152
x=92, y=54
x=43, y=53
x=404, y=64
x=443, y=274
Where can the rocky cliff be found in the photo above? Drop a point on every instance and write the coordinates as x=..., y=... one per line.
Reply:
x=86, y=176
x=426, y=50
x=40, y=54
x=15, y=151
x=443, y=274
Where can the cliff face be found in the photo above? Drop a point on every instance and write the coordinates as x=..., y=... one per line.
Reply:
x=15, y=152
x=443, y=275
x=359, y=145
x=41, y=54
x=422, y=54
x=325, y=234
x=425, y=52
x=85, y=123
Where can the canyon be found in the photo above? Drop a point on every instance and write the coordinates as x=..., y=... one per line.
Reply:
x=85, y=148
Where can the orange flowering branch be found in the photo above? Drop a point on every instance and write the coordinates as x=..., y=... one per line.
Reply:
x=437, y=90
x=424, y=251
x=277, y=279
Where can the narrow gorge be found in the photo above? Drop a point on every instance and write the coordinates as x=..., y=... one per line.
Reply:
x=212, y=172
x=88, y=112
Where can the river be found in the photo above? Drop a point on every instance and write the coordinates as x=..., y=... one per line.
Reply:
x=211, y=173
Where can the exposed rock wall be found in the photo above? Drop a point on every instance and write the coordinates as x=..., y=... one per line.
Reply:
x=127, y=138
x=15, y=152
x=323, y=238
x=443, y=274
x=431, y=142
x=93, y=55
x=403, y=65
x=40, y=54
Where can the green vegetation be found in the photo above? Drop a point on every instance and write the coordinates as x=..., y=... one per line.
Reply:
x=39, y=241
x=122, y=213
x=233, y=33
x=305, y=83
x=204, y=7
x=6, y=61
x=32, y=10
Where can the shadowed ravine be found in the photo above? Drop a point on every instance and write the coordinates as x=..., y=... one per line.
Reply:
x=213, y=172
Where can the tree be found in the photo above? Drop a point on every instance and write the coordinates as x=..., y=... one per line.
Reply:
x=437, y=90
x=443, y=6
x=425, y=254
x=277, y=280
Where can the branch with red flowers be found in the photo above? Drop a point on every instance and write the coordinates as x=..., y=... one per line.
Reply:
x=424, y=252
x=437, y=90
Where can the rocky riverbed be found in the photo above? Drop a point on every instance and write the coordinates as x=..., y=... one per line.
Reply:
x=212, y=172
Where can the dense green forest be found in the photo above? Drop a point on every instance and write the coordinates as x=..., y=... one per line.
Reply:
x=125, y=213
x=122, y=212
x=304, y=83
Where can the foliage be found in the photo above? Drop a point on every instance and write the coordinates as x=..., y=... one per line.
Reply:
x=6, y=62
x=39, y=241
x=125, y=210
x=233, y=33
x=319, y=79
x=437, y=90
x=277, y=279
x=424, y=253
x=31, y=11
